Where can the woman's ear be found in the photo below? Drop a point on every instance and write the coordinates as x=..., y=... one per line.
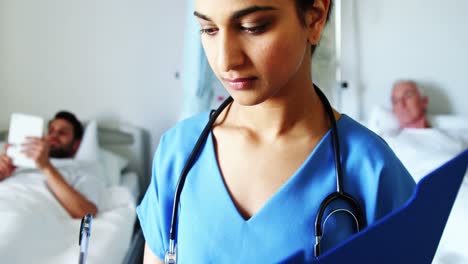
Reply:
x=316, y=19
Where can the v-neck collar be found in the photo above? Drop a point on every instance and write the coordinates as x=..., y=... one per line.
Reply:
x=277, y=196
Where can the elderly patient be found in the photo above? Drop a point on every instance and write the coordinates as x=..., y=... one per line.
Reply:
x=409, y=105
x=419, y=145
x=422, y=146
x=74, y=189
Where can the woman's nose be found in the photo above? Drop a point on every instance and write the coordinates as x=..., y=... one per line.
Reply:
x=230, y=54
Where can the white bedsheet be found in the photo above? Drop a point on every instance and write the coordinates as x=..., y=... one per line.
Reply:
x=422, y=151
x=130, y=181
x=35, y=228
x=453, y=248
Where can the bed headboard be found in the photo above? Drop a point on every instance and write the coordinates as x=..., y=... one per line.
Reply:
x=133, y=144
x=3, y=135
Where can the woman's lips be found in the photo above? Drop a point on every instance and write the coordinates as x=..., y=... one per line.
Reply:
x=240, y=83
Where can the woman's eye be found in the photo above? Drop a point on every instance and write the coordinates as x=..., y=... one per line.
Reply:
x=208, y=31
x=255, y=30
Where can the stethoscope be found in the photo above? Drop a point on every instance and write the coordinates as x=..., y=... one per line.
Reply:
x=171, y=253
x=85, y=233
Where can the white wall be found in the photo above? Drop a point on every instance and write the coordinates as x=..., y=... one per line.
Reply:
x=113, y=60
x=116, y=60
x=424, y=40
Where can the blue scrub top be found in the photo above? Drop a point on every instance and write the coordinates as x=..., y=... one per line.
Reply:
x=211, y=229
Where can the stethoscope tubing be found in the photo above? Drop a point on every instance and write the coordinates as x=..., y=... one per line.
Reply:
x=191, y=160
x=339, y=194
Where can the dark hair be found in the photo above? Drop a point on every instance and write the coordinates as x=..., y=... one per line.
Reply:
x=78, y=129
x=304, y=5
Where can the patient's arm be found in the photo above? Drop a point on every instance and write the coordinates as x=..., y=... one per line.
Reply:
x=149, y=257
x=73, y=201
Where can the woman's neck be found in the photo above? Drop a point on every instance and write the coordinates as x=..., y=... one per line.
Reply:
x=297, y=112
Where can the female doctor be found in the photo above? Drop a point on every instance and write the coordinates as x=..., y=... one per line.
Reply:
x=278, y=176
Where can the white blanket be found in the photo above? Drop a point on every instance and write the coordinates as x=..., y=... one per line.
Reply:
x=453, y=248
x=35, y=228
x=422, y=151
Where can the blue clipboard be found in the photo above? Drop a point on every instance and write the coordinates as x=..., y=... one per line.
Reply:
x=412, y=233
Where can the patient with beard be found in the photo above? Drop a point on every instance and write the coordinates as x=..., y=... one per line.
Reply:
x=77, y=190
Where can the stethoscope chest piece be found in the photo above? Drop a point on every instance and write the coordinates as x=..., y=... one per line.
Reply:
x=171, y=254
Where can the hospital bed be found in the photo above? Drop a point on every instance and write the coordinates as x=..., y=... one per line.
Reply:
x=47, y=235
x=420, y=159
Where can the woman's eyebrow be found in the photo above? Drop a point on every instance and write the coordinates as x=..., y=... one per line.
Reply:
x=238, y=14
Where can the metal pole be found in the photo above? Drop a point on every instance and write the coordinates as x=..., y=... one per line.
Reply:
x=338, y=74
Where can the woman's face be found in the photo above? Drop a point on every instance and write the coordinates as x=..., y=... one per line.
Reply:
x=258, y=48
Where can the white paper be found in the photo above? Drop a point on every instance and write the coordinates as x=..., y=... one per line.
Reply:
x=22, y=126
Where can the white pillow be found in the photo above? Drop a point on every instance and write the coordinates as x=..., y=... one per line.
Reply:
x=382, y=119
x=89, y=147
x=449, y=122
x=112, y=166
